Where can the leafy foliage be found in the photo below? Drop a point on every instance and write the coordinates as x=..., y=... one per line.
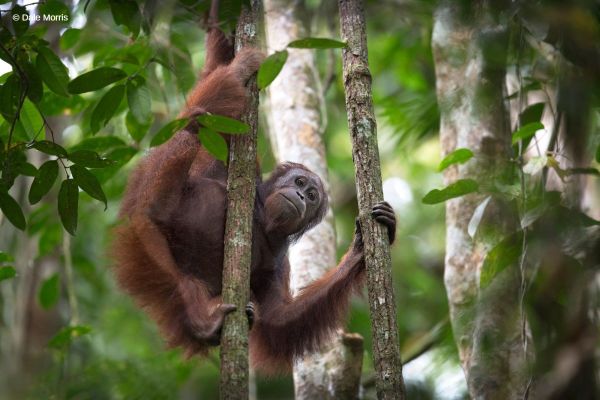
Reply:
x=270, y=68
x=456, y=189
x=129, y=80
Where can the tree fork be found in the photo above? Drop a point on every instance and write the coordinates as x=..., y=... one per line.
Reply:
x=241, y=192
x=363, y=131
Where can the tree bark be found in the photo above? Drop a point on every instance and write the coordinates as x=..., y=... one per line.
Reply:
x=361, y=121
x=241, y=191
x=296, y=128
x=469, y=48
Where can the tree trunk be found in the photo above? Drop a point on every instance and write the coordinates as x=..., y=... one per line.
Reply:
x=361, y=121
x=469, y=51
x=241, y=191
x=296, y=127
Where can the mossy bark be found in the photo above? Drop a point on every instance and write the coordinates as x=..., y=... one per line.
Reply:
x=389, y=382
x=241, y=192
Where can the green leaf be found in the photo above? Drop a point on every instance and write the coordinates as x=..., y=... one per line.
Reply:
x=68, y=199
x=505, y=253
x=12, y=210
x=598, y=154
x=218, y=123
x=535, y=165
x=457, y=189
x=10, y=96
x=31, y=119
x=167, y=131
x=89, y=159
x=50, y=239
x=69, y=38
x=20, y=20
x=477, y=217
x=458, y=156
x=98, y=143
x=48, y=147
x=38, y=219
x=532, y=113
x=118, y=157
x=270, y=68
x=95, y=79
x=106, y=108
x=52, y=71
x=214, y=143
x=316, y=43
x=56, y=9
x=27, y=169
x=49, y=292
x=526, y=131
x=139, y=100
x=5, y=257
x=136, y=130
x=7, y=273
x=88, y=183
x=126, y=13
x=43, y=182
x=35, y=89
x=66, y=335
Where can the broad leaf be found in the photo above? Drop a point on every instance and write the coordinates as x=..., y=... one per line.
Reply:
x=535, y=165
x=136, y=130
x=95, y=79
x=98, y=143
x=219, y=123
x=31, y=119
x=7, y=273
x=270, y=68
x=12, y=210
x=88, y=183
x=127, y=13
x=69, y=38
x=21, y=22
x=139, y=100
x=43, y=182
x=27, y=169
x=167, y=131
x=35, y=88
x=458, y=156
x=527, y=131
x=49, y=292
x=89, y=159
x=52, y=71
x=65, y=336
x=48, y=147
x=477, y=217
x=56, y=8
x=10, y=95
x=214, y=143
x=5, y=257
x=68, y=200
x=457, y=189
x=106, y=108
x=316, y=43
x=505, y=253
x=532, y=113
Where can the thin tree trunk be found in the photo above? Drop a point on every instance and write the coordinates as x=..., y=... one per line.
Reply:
x=296, y=126
x=361, y=120
x=469, y=48
x=241, y=191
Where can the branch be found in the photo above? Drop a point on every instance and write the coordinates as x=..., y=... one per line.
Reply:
x=363, y=131
x=241, y=190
